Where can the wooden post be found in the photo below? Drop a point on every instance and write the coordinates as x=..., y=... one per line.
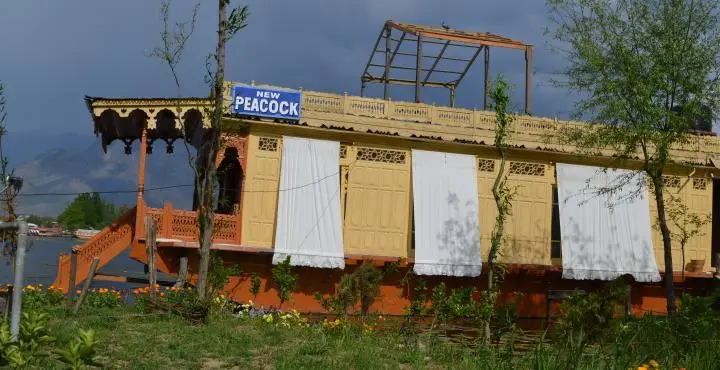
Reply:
x=238, y=227
x=528, y=80
x=73, y=274
x=150, y=244
x=182, y=272
x=140, y=208
x=86, y=286
x=166, y=228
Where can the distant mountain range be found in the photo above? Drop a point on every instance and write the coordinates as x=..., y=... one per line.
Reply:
x=74, y=163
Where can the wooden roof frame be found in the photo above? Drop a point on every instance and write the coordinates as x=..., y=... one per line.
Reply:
x=448, y=38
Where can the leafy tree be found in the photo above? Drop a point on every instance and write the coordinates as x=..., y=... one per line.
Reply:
x=634, y=62
x=170, y=53
x=503, y=195
x=9, y=238
x=89, y=210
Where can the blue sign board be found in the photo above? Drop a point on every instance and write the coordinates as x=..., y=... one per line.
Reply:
x=264, y=102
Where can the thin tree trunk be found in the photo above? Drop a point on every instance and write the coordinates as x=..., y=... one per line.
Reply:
x=206, y=213
x=498, y=232
x=667, y=245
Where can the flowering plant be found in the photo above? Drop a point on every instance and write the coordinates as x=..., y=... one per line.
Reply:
x=37, y=296
x=103, y=297
x=271, y=316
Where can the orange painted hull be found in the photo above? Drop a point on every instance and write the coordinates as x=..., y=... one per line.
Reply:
x=394, y=299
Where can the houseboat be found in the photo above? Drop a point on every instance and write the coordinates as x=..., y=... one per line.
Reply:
x=334, y=181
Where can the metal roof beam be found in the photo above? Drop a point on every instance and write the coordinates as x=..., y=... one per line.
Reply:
x=374, y=48
x=412, y=69
x=435, y=63
x=407, y=82
x=467, y=67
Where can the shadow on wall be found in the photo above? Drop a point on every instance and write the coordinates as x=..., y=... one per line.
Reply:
x=460, y=237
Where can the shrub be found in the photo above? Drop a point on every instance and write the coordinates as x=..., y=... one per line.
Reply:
x=285, y=279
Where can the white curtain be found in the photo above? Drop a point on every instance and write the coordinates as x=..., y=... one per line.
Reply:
x=309, y=227
x=447, y=227
x=604, y=235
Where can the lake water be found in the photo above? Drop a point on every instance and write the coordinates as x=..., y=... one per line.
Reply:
x=42, y=258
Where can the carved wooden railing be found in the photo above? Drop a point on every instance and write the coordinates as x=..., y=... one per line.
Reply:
x=533, y=132
x=182, y=225
x=105, y=245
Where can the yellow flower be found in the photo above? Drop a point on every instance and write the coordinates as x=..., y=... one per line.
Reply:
x=654, y=364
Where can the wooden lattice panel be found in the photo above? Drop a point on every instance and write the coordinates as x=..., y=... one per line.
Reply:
x=700, y=184
x=157, y=215
x=671, y=181
x=527, y=168
x=486, y=165
x=268, y=144
x=184, y=225
x=343, y=151
x=224, y=228
x=381, y=155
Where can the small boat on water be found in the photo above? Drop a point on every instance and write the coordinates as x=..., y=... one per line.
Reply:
x=33, y=230
x=85, y=234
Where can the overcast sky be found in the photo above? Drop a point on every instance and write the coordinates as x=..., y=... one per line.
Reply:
x=52, y=53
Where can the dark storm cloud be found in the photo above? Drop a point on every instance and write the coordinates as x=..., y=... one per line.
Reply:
x=55, y=52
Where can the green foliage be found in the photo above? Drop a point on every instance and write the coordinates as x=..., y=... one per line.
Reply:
x=89, y=210
x=255, y=284
x=285, y=279
x=646, y=70
x=219, y=274
x=36, y=297
x=103, y=298
x=8, y=205
x=32, y=338
x=362, y=285
x=503, y=196
x=688, y=224
x=587, y=318
x=80, y=353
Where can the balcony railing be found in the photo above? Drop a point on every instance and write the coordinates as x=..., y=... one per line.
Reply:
x=182, y=225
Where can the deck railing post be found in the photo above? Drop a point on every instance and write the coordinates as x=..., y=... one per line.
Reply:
x=238, y=227
x=166, y=227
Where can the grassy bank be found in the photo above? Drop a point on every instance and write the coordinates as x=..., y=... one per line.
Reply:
x=138, y=336
x=130, y=339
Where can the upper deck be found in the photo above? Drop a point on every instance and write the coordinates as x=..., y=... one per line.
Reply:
x=118, y=119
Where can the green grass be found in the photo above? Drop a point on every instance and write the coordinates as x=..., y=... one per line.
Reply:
x=129, y=339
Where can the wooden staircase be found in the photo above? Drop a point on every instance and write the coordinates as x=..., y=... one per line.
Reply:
x=106, y=245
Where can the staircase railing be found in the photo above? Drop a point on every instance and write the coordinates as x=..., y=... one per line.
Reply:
x=106, y=245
